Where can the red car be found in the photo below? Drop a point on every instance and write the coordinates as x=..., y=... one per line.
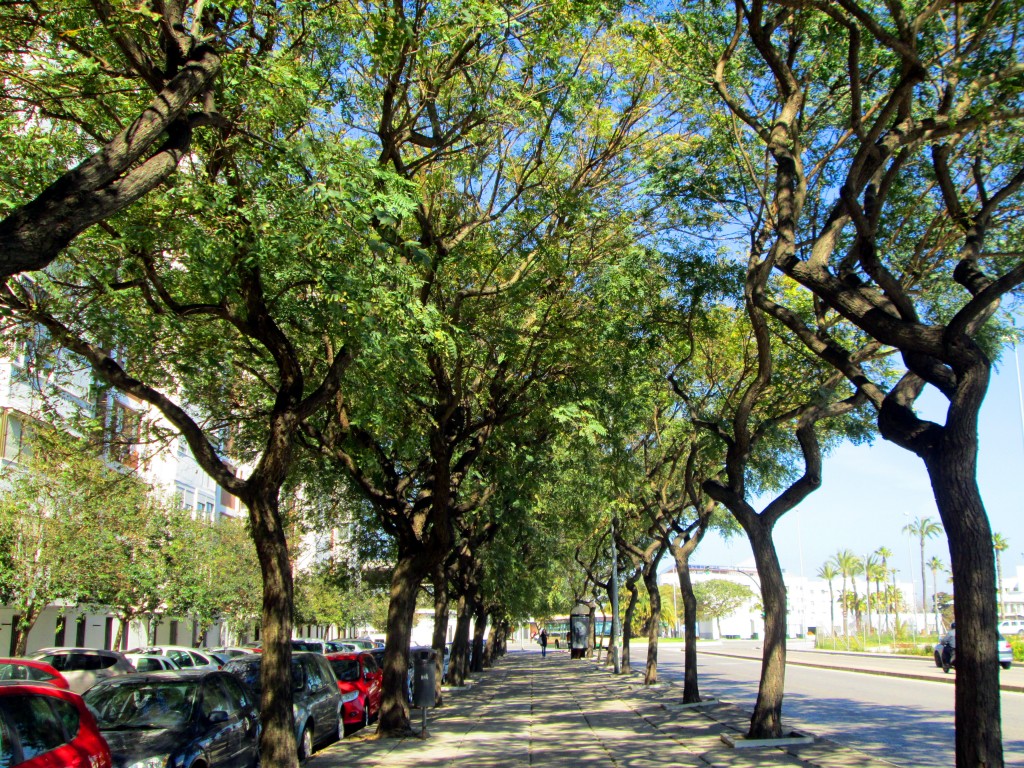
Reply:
x=31, y=671
x=46, y=727
x=359, y=680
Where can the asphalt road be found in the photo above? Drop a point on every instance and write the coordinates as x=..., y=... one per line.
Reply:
x=904, y=721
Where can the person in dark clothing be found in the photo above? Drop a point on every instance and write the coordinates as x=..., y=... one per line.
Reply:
x=542, y=638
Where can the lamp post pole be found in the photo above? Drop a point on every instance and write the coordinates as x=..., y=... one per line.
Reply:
x=616, y=657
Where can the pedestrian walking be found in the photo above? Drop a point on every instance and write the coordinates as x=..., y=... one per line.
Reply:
x=542, y=638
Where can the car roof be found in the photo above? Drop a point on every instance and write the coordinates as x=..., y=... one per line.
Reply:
x=162, y=676
x=34, y=686
x=96, y=651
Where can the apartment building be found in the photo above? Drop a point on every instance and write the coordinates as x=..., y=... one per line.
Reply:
x=31, y=385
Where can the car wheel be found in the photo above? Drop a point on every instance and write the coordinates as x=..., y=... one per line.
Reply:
x=306, y=743
x=1006, y=664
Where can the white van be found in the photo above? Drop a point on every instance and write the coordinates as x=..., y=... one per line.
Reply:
x=1011, y=627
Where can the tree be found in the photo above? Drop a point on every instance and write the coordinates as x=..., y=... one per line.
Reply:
x=122, y=87
x=196, y=300
x=999, y=545
x=923, y=528
x=718, y=598
x=847, y=563
x=828, y=572
x=884, y=553
x=896, y=207
x=521, y=233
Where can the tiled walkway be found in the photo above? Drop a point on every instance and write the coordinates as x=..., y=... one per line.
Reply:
x=529, y=711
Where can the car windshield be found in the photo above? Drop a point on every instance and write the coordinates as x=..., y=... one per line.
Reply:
x=346, y=670
x=299, y=645
x=142, y=704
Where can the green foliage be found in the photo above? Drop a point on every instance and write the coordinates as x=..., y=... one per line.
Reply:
x=718, y=598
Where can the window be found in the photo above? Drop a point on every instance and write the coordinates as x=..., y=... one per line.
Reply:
x=124, y=432
x=38, y=728
x=186, y=495
x=314, y=680
x=216, y=699
x=68, y=716
x=236, y=691
x=6, y=744
x=182, y=658
x=17, y=437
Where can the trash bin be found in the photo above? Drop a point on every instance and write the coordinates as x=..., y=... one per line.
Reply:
x=423, y=676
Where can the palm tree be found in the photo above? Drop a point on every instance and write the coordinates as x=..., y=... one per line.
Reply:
x=877, y=572
x=936, y=565
x=923, y=528
x=828, y=572
x=846, y=563
x=1000, y=544
x=884, y=553
x=870, y=563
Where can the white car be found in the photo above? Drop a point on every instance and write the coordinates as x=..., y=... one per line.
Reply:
x=84, y=667
x=151, y=662
x=185, y=658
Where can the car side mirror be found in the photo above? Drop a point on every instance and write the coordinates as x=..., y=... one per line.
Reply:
x=217, y=716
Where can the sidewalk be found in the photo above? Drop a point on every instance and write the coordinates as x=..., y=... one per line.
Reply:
x=543, y=713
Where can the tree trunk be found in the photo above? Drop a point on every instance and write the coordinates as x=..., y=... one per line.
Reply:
x=394, y=708
x=22, y=626
x=977, y=716
x=592, y=630
x=627, y=622
x=124, y=622
x=440, y=637
x=479, y=629
x=490, y=649
x=691, y=689
x=278, y=748
x=654, y=625
x=458, y=664
x=766, y=722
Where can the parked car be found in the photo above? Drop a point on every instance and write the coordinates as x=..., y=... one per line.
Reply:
x=340, y=646
x=184, y=657
x=361, y=644
x=84, y=667
x=150, y=662
x=314, y=644
x=182, y=719
x=1003, y=648
x=42, y=726
x=319, y=719
x=1012, y=626
x=31, y=671
x=360, y=680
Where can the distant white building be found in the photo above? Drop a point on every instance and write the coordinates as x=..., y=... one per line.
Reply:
x=809, y=607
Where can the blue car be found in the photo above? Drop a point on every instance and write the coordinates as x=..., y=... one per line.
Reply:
x=183, y=718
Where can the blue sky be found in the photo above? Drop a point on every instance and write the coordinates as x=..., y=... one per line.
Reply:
x=870, y=492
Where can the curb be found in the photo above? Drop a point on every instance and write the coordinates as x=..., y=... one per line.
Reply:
x=949, y=680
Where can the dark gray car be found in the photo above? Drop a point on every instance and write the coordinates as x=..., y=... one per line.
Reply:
x=183, y=718
x=317, y=700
